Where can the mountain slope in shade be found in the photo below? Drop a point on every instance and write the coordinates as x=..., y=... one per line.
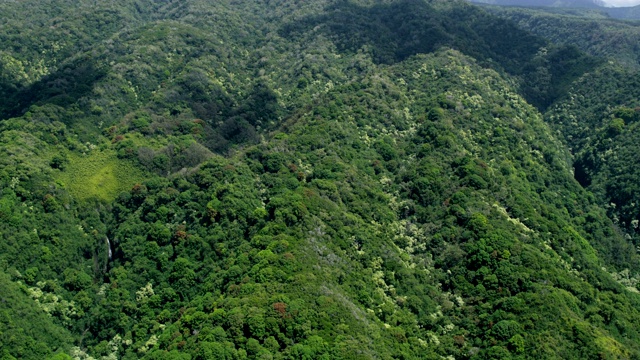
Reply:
x=628, y=13
x=590, y=30
x=550, y=3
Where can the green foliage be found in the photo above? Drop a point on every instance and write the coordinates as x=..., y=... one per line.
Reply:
x=320, y=180
x=26, y=332
x=98, y=175
x=592, y=31
x=605, y=141
x=546, y=71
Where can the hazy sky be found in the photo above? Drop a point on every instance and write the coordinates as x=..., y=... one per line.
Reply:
x=622, y=2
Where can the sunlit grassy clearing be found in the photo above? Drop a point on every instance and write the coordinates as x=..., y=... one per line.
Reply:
x=100, y=175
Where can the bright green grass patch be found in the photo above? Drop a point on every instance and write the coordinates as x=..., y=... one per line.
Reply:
x=99, y=175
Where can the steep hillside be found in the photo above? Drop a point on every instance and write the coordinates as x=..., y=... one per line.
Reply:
x=597, y=118
x=325, y=180
x=631, y=13
x=592, y=32
x=588, y=8
x=600, y=126
x=591, y=4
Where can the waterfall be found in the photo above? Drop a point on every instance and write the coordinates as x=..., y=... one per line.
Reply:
x=109, y=247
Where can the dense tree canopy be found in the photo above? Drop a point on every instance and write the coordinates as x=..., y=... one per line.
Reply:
x=311, y=180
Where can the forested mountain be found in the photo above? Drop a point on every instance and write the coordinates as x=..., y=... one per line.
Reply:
x=597, y=118
x=583, y=7
x=354, y=179
x=550, y=3
x=591, y=31
x=632, y=13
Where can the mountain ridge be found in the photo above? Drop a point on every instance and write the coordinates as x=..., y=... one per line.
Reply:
x=547, y=3
x=629, y=13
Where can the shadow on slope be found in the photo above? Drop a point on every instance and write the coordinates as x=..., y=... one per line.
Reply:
x=62, y=88
x=393, y=32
